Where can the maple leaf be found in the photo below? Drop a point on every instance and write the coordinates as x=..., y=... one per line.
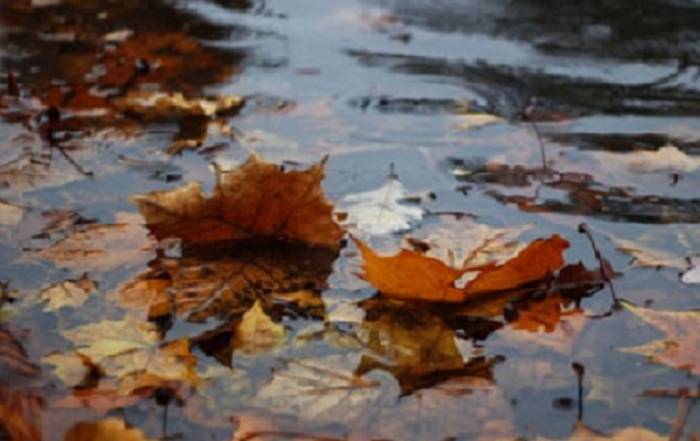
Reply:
x=122, y=348
x=410, y=275
x=109, y=429
x=679, y=347
x=256, y=200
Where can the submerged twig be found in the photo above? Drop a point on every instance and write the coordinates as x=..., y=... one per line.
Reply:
x=583, y=229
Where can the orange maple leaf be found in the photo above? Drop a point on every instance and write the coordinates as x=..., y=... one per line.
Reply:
x=410, y=275
x=254, y=201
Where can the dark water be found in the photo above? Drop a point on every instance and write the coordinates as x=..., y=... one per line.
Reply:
x=587, y=93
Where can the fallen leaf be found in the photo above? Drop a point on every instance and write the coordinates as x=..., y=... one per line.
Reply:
x=692, y=276
x=20, y=415
x=99, y=247
x=380, y=211
x=679, y=347
x=470, y=121
x=261, y=425
x=668, y=158
x=256, y=200
x=159, y=105
x=68, y=293
x=109, y=429
x=583, y=433
x=256, y=332
x=10, y=213
x=124, y=347
x=646, y=257
x=14, y=362
x=410, y=275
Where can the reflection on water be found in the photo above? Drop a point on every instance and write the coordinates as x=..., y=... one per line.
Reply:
x=537, y=113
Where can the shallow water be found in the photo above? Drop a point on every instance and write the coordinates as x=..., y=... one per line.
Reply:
x=586, y=93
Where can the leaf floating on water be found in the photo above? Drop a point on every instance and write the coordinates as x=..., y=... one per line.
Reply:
x=680, y=346
x=127, y=347
x=110, y=429
x=256, y=200
x=646, y=257
x=20, y=415
x=692, y=276
x=583, y=433
x=69, y=293
x=158, y=105
x=100, y=247
x=380, y=211
x=469, y=121
x=257, y=332
x=410, y=275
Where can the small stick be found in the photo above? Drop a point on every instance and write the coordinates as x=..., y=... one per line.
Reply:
x=681, y=417
x=580, y=371
x=583, y=229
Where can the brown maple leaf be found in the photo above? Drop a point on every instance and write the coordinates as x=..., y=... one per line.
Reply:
x=680, y=346
x=256, y=200
x=410, y=275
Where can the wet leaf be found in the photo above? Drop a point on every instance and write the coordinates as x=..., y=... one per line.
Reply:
x=109, y=429
x=126, y=347
x=14, y=362
x=69, y=293
x=648, y=257
x=99, y=247
x=668, y=158
x=470, y=121
x=692, y=276
x=10, y=213
x=159, y=105
x=380, y=211
x=583, y=433
x=679, y=347
x=410, y=275
x=256, y=200
x=256, y=332
x=20, y=415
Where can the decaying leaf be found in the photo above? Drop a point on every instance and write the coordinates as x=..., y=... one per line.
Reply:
x=10, y=213
x=380, y=211
x=469, y=121
x=410, y=275
x=69, y=293
x=126, y=347
x=257, y=332
x=158, y=105
x=583, y=433
x=256, y=200
x=648, y=257
x=100, y=247
x=109, y=429
x=668, y=158
x=260, y=425
x=680, y=347
x=20, y=415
